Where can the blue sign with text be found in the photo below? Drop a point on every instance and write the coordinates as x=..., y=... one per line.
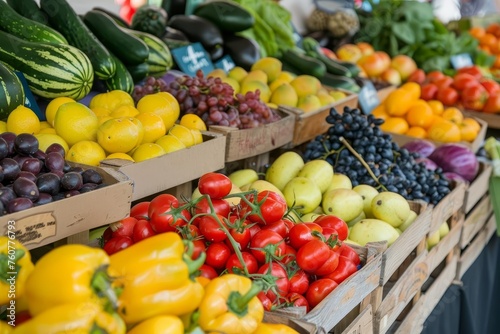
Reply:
x=191, y=58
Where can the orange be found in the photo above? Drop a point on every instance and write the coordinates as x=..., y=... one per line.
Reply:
x=398, y=102
x=414, y=88
x=496, y=64
x=469, y=129
x=379, y=112
x=420, y=114
x=453, y=114
x=472, y=122
x=395, y=125
x=477, y=32
x=488, y=40
x=494, y=29
x=444, y=131
x=417, y=132
x=436, y=106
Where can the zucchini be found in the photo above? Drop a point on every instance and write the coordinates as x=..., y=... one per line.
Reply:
x=337, y=81
x=29, y=9
x=228, y=16
x=22, y=27
x=174, y=43
x=138, y=72
x=64, y=18
x=304, y=63
x=150, y=19
x=159, y=53
x=51, y=70
x=123, y=45
x=313, y=49
x=11, y=91
x=122, y=79
x=118, y=20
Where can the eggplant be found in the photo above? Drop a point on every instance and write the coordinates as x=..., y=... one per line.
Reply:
x=174, y=7
x=171, y=33
x=197, y=29
x=244, y=52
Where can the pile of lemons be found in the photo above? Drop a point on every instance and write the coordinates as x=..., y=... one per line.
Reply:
x=111, y=127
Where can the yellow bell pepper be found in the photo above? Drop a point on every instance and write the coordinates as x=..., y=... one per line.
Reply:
x=5, y=328
x=161, y=324
x=154, y=278
x=15, y=267
x=231, y=305
x=74, y=318
x=69, y=274
x=265, y=328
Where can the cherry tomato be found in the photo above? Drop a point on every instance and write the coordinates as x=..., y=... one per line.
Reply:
x=318, y=290
x=265, y=300
x=142, y=230
x=282, y=283
x=349, y=252
x=207, y=271
x=211, y=230
x=215, y=185
x=492, y=105
x=280, y=227
x=272, y=207
x=140, y=211
x=301, y=233
x=221, y=206
x=164, y=216
x=124, y=228
x=250, y=262
x=434, y=76
x=345, y=269
x=332, y=236
x=199, y=247
x=491, y=86
x=298, y=300
x=289, y=255
x=474, y=97
x=417, y=76
x=428, y=91
x=267, y=243
x=116, y=244
x=299, y=282
x=217, y=255
x=241, y=236
x=472, y=70
x=448, y=96
x=334, y=222
x=464, y=80
x=312, y=255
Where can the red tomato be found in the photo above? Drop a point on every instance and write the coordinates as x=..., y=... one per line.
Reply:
x=299, y=282
x=331, y=236
x=434, y=76
x=334, y=222
x=215, y=185
x=448, y=96
x=124, y=228
x=217, y=255
x=428, y=91
x=265, y=244
x=329, y=265
x=265, y=300
x=207, y=271
x=444, y=82
x=417, y=76
x=301, y=233
x=282, y=283
x=345, y=269
x=492, y=104
x=250, y=262
x=221, y=206
x=464, y=80
x=271, y=207
x=254, y=229
x=280, y=227
x=142, y=230
x=298, y=300
x=348, y=252
x=312, y=255
x=211, y=230
x=241, y=236
x=474, y=97
x=472, y=70
x=164, y=216
x=116, y=244
x=289, y=255
x=318, y=290
x=107, y=234
x=492, y=87
x=198, y=248
x=140, y=211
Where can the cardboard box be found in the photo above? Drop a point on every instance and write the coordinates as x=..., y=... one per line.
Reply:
x=245, y=143
x=311, y=124
x=164, y=172
x=54, y=221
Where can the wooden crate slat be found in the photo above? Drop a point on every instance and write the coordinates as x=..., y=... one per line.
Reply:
x=475, y=220
x=450, y=204
x=439, y=252
x=363, y=324
x=479, y=187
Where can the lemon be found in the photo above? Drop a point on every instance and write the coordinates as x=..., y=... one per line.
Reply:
x=48, y=130
x=75, y=122
x=122, y=156
x=124, y=111
x=153, y=126
x=47, y=139
x=183, y=134
x=170, y=143
x=147, y=151
x=111, y=100
x=51, y=110
x=140, y=127
x=45, y=125
x=100, y=111
x=161, y=105
x=233, y=83
x=198, y=137
x=86, y=152
x=118, y=135
x=193, y=121
x=102, y=119
x=238, y=73
x=23, y=120
x=3, y=126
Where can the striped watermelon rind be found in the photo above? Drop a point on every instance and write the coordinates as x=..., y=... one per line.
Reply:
x=11, y=91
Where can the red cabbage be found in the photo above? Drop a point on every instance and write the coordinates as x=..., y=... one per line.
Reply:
x=456, y=158
x=420, y=146
x=429, y=164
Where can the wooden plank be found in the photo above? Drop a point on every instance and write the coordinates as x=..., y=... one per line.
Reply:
x=300, y=326
x=472, y=252
x=78, y=238
x=450, y=204
x=363, y=324
x=184, y=190
x=401, y=294
x=475, y=221
x=257, y=162
x=394, y=256
x=479, y=187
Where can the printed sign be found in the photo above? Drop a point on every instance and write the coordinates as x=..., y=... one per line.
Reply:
x=191, y=58
x=461, y=60
x=226, y=63
x=368, y=98
x=30, y=101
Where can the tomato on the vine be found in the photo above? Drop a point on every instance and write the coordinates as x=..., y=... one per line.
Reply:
x=492, y=105
x=428, y=91
x=464, y=80
x=142, y=230
x=448, y=96
x=301, y=234
x=334, y=222
x=241, y=236
x=312, y=255
x=198, y=248
x=298, y=300
x=217, y=255
x=474, y=97
x=124, y=228
x=329, y=265
x=250, y=262
x=265, y=301
x=164, y=214
x=215, y=185
x=434, y=76
x=282, y=287
x=289, y=255
x=417, y=76
x=318, y=290
x=211, y=229
x=299, y=282
x=349, y=253
x=116, y=244
x=221, y=206
x=491, y=86
x=271, y=207
x=208, y=272
x=265, y=244
x=344, y=269
x=279, y=226
x=472, y=70
x=140, y=211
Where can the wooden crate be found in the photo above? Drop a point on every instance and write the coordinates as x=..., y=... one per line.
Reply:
x=478, y=187
x=384, y=92
x=475, y=220
x=362, y=323
x=493, y=120
x=449, y=205
x=300, y=326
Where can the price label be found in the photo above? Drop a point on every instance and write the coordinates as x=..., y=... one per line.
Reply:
x=191, y=58
x=368, y=98
x=226, y=63
x=296, y=36
x=461, y=60
x=30, y=101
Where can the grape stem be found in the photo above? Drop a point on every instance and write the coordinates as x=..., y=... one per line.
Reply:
x=363, y=162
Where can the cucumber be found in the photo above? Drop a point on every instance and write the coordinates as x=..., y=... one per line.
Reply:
x=22, y=27
x=138, y=72
x=118, y=20
x=11, y=91
x=122, y=79
x=51, y=70
x=29, y=9
x=337, y=81
x=313, y=49
x=304, y=63
x=64, y=18
x=227, y=15
x=123, y=45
